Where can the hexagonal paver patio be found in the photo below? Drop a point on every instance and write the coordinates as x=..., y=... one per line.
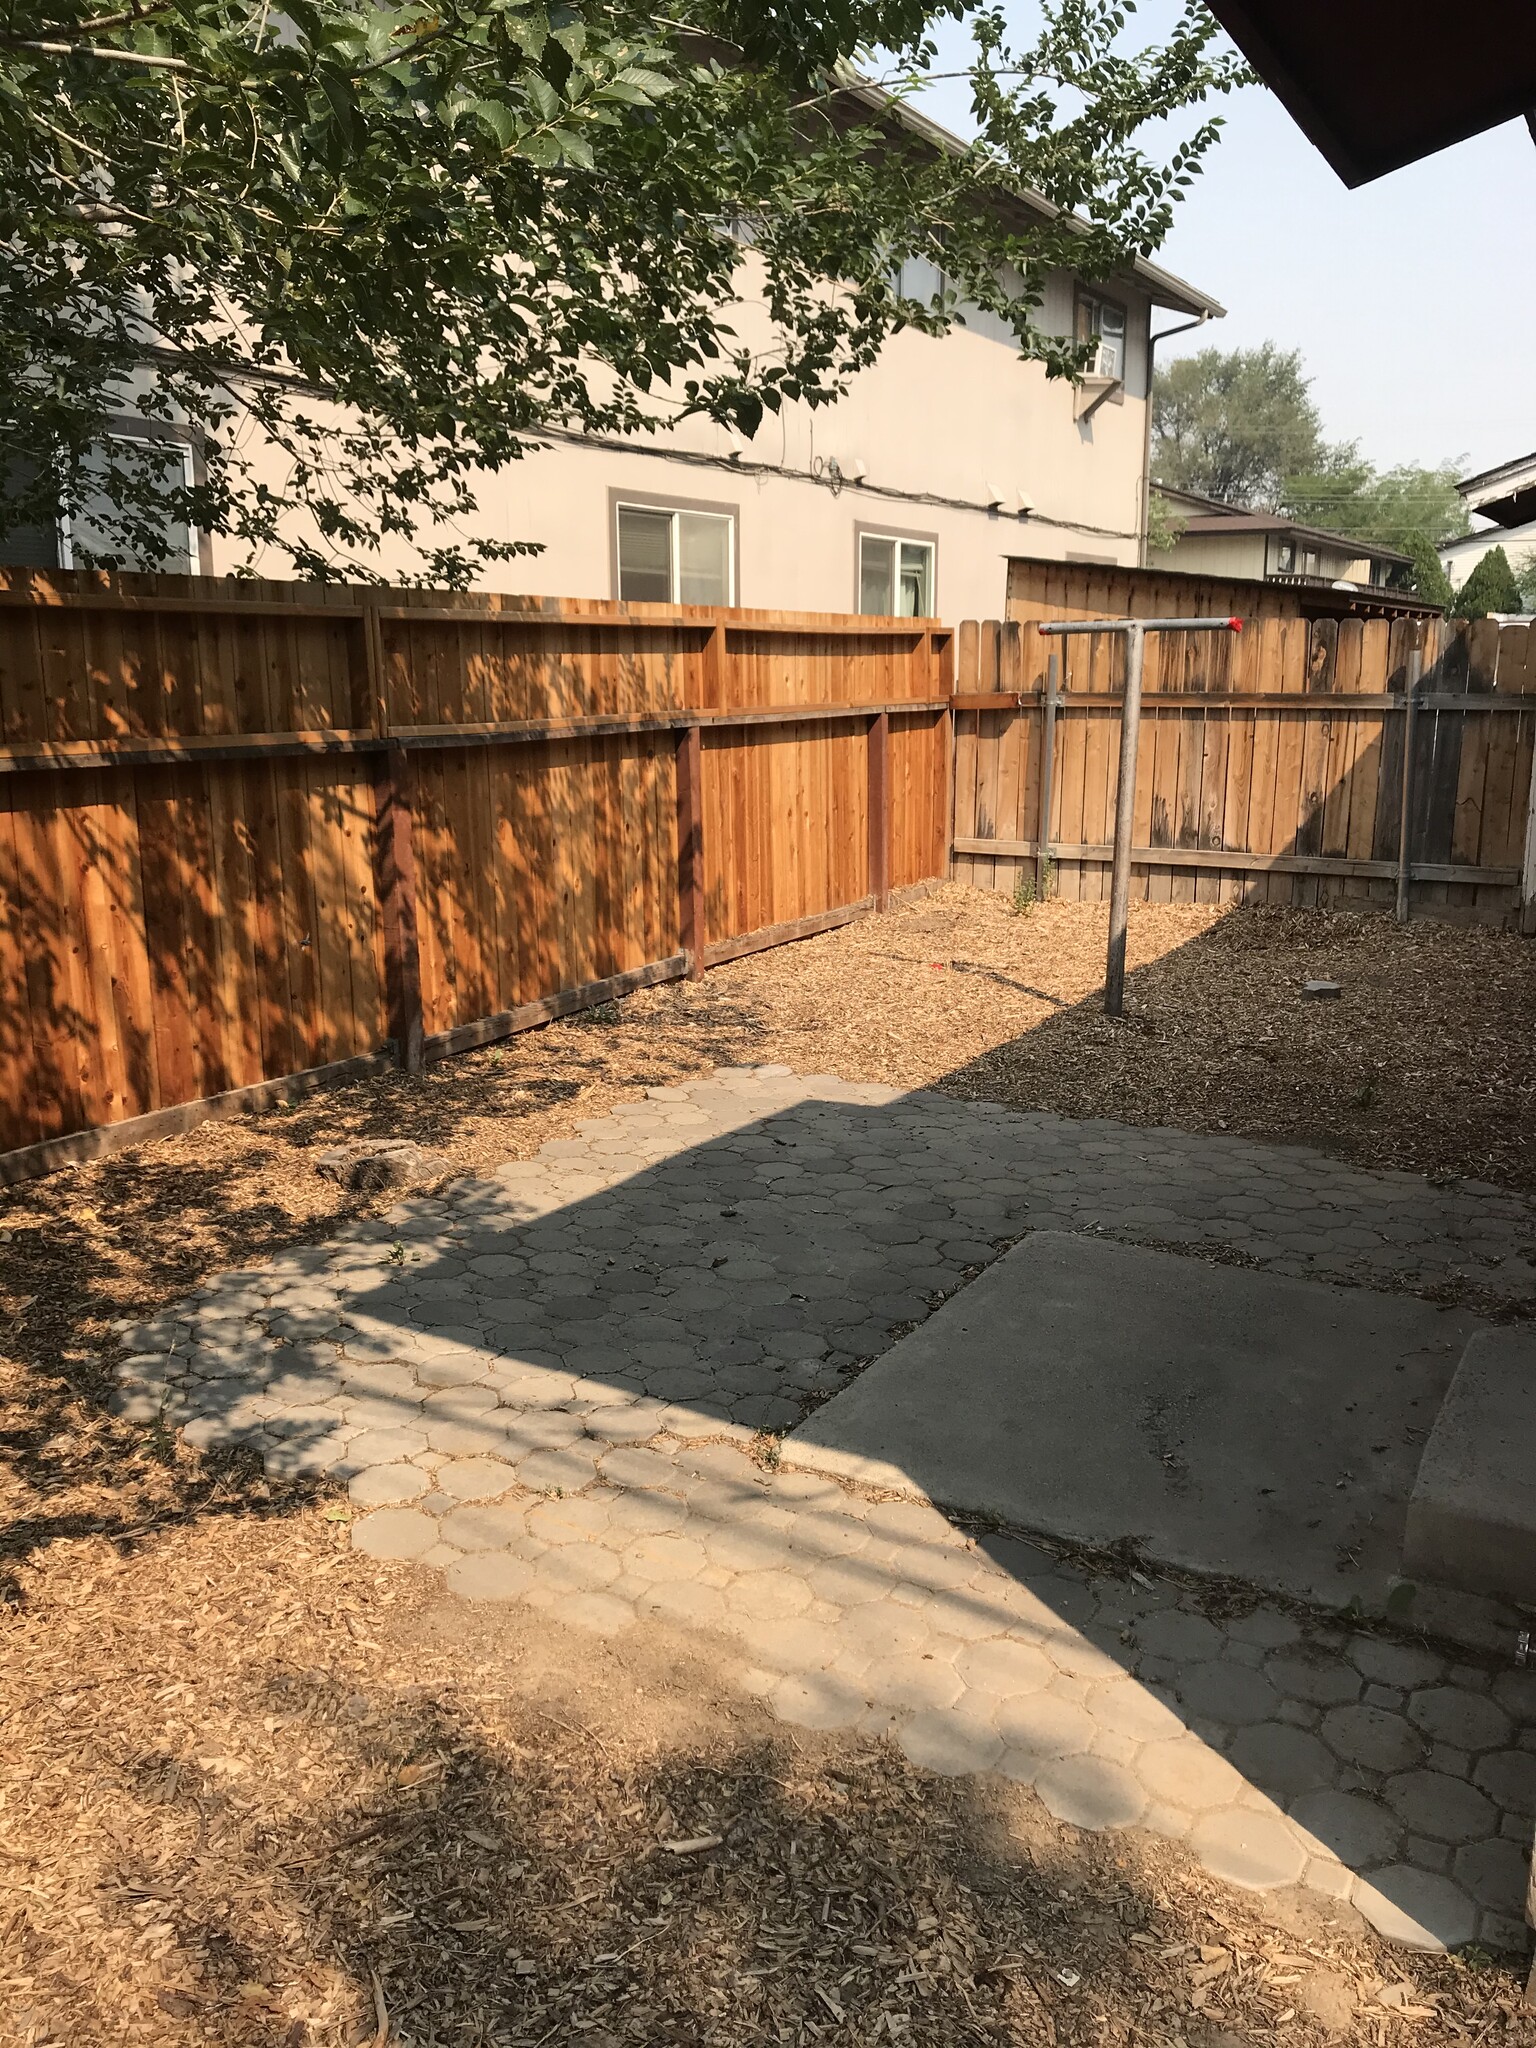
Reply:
x=546, y=1385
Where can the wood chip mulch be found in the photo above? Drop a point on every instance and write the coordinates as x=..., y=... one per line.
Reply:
x=244, y=1774
x=259, y=1790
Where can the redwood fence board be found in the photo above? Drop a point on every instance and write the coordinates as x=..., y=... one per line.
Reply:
x=251, y=834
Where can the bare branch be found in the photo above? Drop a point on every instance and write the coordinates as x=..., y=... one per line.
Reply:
x=97, y=51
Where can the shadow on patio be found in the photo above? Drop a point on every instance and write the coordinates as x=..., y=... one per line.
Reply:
x=565, y=1385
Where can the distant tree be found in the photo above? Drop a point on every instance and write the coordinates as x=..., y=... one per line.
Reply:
x=1390, y=506
x=1234, y=424
x=1491, y=587
x=1525, y=578
x=1427, y=577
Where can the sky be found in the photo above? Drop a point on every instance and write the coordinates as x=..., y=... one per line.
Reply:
x=1412, y=300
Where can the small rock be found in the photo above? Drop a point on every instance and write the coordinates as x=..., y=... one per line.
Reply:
x=369, y=1166
x=1322, y=991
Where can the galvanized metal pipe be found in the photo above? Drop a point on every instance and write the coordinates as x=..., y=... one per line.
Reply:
x=1136, y=631
x=1405, y=815
x=1047, y=777
x=1125, y=822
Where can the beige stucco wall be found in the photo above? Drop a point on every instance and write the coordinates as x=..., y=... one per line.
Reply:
x=938, y=428
x=1237, y=554
x=1248, y=554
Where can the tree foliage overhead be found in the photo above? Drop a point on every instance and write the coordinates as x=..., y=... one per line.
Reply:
x=396, y=242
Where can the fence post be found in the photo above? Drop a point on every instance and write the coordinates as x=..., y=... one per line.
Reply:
x=944, y=686
x=1125, y=820
x=878, y=809
x=394, y=861
x=1528, y=865
x=1047, y=777
x=1405, y=817
x=690, y=848
x=395, y=880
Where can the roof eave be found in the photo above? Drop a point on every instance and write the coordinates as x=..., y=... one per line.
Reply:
x=1163, y=288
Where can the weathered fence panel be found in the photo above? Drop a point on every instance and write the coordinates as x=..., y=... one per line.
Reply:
x=1270, y=766
x=255, y=832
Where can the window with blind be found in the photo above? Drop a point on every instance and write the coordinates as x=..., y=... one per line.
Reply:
x=669, y=554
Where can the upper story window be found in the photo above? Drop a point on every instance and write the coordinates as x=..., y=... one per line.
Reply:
x=91, y=535
x=1103, y=321
x=897, y=575
x=675, y=554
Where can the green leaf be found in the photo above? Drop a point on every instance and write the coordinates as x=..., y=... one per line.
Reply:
x=501, y=122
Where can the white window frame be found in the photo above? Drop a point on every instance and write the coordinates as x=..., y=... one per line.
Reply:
x=147, y=439
x=1092, y=307
x=673, y=513
x=896, y=541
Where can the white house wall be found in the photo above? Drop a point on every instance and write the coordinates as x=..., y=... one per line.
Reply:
x=1461, y=557
x=938, y=427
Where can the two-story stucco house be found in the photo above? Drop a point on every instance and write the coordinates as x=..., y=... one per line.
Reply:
x=948, y=456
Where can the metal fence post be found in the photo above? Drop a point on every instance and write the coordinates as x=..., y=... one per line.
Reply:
x=1047, y=776
x=1135, y=631
x=1125, y=820
x=1405, y=816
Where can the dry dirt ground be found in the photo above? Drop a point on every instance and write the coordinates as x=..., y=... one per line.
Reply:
x=243, y=1774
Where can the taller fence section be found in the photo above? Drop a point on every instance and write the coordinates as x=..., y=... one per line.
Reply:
x=1274, y=766
x=257, y=833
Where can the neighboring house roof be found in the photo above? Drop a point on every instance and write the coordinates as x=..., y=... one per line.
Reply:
x=1506, y=495
x=1312, y=600
x=1161, y=286
x=1377, y=84
x=1215, y=519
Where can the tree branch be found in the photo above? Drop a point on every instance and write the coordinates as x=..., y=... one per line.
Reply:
x=97, y=51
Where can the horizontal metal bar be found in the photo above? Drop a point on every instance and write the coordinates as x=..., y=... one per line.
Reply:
x=1053, y=627
x=1213, y=859
x=442, y=1045
x=721, y=950
x=30, y=1161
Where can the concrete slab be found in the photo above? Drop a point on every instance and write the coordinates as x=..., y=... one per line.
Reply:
x=1223, y=1419
x=1472, y=1515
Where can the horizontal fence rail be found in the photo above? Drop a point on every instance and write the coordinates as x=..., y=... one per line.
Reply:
x=255, y=837
x=1274, y=766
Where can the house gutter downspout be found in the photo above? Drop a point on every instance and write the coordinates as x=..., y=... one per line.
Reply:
x=1146, y=445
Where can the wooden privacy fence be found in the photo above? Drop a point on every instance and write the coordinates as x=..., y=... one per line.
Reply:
x=255, y=837
x=1271, y=763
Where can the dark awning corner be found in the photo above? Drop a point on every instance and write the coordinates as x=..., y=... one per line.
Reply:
x=1377, y=84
